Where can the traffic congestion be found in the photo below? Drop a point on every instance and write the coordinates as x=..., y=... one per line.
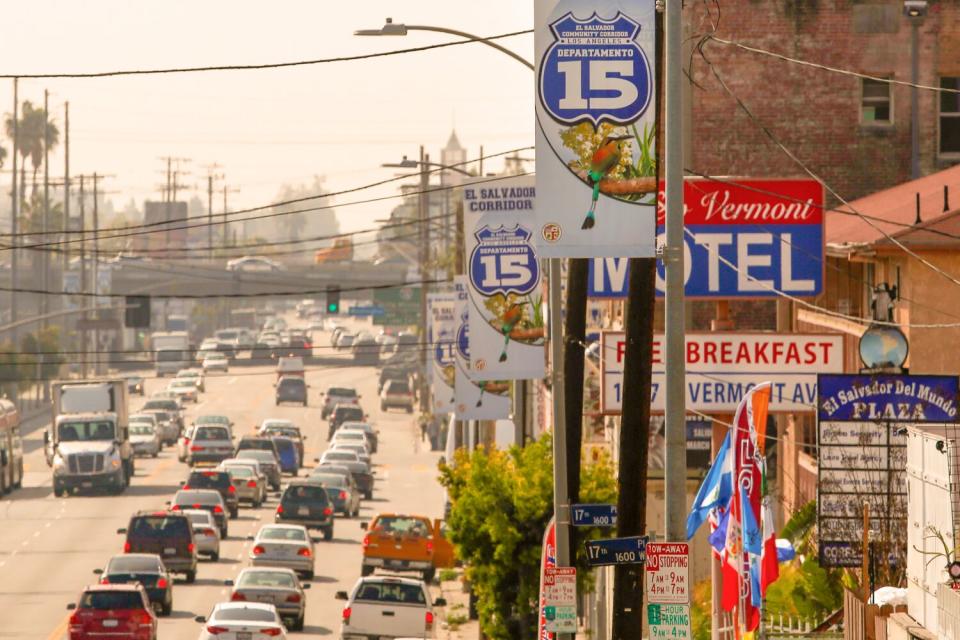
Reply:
x=236, y=501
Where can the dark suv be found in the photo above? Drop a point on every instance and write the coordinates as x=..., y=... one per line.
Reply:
x=292, y=389
x=307, y=504
x=169, y=535
x=344, y=413
x=218, y=481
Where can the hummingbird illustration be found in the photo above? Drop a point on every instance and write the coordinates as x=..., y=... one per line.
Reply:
x=483, y=387
x=604, y=159
x=508, y=320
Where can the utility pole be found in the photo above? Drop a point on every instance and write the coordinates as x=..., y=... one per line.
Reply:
x=65, y=255
x=84, y=336
x=575, y=335
x=173, y=172
x=226, y=219
x=423, y=209
x=44, y=225
x=96, y=270
x=14, y=214
x=211, y=176
x=628, y=580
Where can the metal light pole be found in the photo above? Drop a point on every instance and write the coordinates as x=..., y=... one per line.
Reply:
x=915, y=10
x=675, y=468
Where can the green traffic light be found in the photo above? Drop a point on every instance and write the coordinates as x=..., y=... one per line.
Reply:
x=332, y=308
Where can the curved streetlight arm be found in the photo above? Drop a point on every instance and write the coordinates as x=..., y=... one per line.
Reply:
x=470, y=36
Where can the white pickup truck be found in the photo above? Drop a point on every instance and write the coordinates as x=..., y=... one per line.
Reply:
x=387, y=607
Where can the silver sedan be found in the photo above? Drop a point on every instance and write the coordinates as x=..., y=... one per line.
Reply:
x=273, y=585
x=205, y=532
x=284, y=545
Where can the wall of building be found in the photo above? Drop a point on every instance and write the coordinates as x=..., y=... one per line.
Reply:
x=940, y=304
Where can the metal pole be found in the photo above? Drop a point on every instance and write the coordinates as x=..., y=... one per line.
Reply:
x=423, y=206
x=210, y=217
x=675, y=469
x=65, y=256
x=85, y=302
x=14, y=212
x=45, y=223
x=561, y=500
x=914, y=99
x=96, y=270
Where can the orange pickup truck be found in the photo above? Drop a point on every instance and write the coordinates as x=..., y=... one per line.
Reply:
x=405, y=543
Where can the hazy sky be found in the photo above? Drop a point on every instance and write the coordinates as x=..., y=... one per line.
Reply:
x=270, y=127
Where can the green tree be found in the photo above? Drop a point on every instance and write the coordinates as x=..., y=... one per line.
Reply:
x=502, y=502
x=30, y=128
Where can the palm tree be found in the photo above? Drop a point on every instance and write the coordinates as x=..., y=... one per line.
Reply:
x=3, y=156
x=30, y=129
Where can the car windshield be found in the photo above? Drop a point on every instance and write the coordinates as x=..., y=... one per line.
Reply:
x=212, y=420
x=162, y=416
x=342, y=392
x=157, y=526
x=211, y=433
x=292, y=382
x=391, y=592
x=226, y=335
x=80, y=431
x=111, y=600
x=243, y=614
x=200, y=517
x=353, y=435
x=266, y=579
x=397, y=386
x=170, y=355
x=257, y=450
x=182, y=383
x=346, y=456
x=304, y=493
x=135, y=564
x=282, y=533
x=288, y=432
x=208, y=479
x=401, y=525
x=197, y=497
x=276, y=424
x=142, y=429
x=143, y=417
x=239, y=471
x=216, y=355
x=166, y=405
x=329, y=480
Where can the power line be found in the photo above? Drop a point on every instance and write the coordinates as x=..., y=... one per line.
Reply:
x=254, y=67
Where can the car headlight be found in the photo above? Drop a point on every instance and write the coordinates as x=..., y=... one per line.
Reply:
x=59, y=464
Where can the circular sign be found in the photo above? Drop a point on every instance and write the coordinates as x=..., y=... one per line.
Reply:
x=883, y=347
x=463, y=338
x=503, y=261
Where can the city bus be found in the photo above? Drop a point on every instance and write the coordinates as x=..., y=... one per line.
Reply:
x=11, y=447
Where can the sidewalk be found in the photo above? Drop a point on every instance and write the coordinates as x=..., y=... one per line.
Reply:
x=453, y=621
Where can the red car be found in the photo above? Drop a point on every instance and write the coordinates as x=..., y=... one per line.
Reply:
x=114, y=611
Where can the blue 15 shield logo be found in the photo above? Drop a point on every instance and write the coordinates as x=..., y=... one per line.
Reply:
x=463, y=337
x=443, y=352
x=576, y=85
x=503, y=261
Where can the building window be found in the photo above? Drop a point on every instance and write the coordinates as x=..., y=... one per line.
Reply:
x=876, y=106
x=950, y=116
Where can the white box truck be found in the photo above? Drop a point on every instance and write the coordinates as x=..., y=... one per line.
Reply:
x=89, y=444
x=171, y=351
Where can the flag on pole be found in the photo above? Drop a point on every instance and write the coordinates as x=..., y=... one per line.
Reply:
x=715, y=489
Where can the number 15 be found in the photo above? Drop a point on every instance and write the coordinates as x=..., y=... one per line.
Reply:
x=604, y=75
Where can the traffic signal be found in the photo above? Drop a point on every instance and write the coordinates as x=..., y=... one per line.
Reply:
x=137, y=312
x=333, y=299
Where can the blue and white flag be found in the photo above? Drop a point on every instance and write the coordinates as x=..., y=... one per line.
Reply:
x=715, y=490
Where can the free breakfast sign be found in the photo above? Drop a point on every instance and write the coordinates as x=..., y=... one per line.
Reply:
x=745, y=238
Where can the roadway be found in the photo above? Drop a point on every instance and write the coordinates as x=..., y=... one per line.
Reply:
x=50, y=546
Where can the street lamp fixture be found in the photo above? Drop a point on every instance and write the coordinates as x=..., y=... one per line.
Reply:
x=911, y=9
x=390, y=28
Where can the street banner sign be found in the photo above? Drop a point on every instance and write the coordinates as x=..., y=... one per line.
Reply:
x=473, y=399
x=630, y=550
x=596, y=124
x=669, y=621
x=505, y=296
x=594, y=515
x=861, y=422
x=722, y=367
x=401, y=306
x=771, y=231
x=560, y=599
x=667, y=572
x=441, y=330
x=548, y=561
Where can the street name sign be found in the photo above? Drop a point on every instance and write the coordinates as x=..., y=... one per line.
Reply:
x=594, y=515
x=631, y=550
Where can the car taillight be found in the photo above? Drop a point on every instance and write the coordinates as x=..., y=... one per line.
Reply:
x=75, y=619
x=186, y=487
x=343, y=495
x=126, y=547
x=209, y=532
x=191, y=547
x=104, y=580
x=231, y=489
x=162, y=583
x=429, y=619
x=280, y=508
x=258, y=550
x=238, y=596
x=429, y=547
x=252, y=484
x=217, y=630
x=217, y=508
x=294, y=598
x=197, y=447
x=305, y=552
x=144, y=617
x=346, y=615
x=186, y=440
x=272, y=631
x=366, y=541
x=327, y=511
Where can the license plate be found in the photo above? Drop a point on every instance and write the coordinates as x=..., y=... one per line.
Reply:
x=244, y=635
x=86, y=484
x=110, y=623
x=303, y=511
x=169, y=551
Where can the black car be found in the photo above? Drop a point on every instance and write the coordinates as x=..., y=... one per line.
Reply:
x=366, y=352
x=144, y=568
x=307, y=504
x=392, y=373
x=296, y=346
x=292, y=389
x=344, y=413
x=258, y=442
x=168, y=535
x=218, y=481
x=262, y=352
